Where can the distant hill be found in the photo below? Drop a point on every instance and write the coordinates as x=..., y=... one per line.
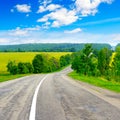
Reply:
x=118, y=44
x=49, y=47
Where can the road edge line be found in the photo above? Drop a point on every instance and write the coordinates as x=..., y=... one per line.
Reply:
x=34, y=100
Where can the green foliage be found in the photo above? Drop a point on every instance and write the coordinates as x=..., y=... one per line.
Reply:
x=84, y=61
x=116, y=65
x=5, y=57
x=97, y=81
x=12, y=67
x=6, y=76
x=29, y=67
x=38, y=63
x=54, y=64
x=65, y=60
x=104, y=61
x=42, y=63
x=20, y=68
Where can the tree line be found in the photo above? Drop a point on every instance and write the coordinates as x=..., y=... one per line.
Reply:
x=40, y=64
x=51, y=47
x=97, y=63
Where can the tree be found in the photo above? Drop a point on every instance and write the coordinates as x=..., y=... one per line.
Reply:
x=53, y=64
x=12, y=67
x=65, y=60
x=30, y=67
x=22, y=68
x=38, y=63
x=104, y=60
x=84, y=61
x=116, y=64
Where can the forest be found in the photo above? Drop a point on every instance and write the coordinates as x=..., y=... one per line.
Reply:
x=50, y=47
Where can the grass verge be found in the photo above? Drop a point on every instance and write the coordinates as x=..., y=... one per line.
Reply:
x=97, y=81
x=6, y=76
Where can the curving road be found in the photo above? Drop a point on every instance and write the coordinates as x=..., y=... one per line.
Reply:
x=58, y=98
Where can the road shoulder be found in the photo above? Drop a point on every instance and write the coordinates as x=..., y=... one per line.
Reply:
x=108, y=96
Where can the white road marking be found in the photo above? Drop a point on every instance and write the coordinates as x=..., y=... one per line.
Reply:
x=33, y=106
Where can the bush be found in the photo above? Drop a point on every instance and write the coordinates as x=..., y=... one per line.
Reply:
x=38, y=63
x=12, y=67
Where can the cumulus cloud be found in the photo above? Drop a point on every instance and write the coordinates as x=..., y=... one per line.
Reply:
x=24, y=8
x=89, y=7
x=73, y=31
x=51, y=7
x=18, y=32
x=60, y=17
x=23, y=32
x=45, y=2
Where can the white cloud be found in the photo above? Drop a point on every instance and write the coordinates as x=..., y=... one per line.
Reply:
x=18, y=32
x=23, y=32
x=45, y=2
x=41, y=36
x=60, y=17
x=89, y=7
x=41, y=9
x=24, y=8
x=4, y=40
x=44, y=19
x=73, y=31
x=51, y=7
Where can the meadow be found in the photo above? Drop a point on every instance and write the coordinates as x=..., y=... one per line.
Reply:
x=5, y=57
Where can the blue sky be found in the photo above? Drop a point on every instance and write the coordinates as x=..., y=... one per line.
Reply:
x=59, y=21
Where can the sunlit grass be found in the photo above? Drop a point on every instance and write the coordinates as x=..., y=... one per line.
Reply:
x=5, y=57
x=6, y=76
x=97, y=81
x=112, y=58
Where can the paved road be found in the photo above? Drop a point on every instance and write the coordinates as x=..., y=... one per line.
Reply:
x=59, y=98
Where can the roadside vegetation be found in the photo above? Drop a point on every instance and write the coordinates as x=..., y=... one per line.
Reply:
x=41, y=63
x=97, y=81
x=97, y=67
x=24, y=57
x=18, y=64
x=6, y=76
x=100, y=68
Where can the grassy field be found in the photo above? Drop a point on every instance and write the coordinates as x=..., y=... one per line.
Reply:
x=5, y=57
x=97, y=81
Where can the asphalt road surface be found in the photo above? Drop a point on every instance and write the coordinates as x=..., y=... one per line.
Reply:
x=58, y=98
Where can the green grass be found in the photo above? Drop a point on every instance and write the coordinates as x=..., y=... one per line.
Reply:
x=5, y=57
x=6, y=76
x=97, y=81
